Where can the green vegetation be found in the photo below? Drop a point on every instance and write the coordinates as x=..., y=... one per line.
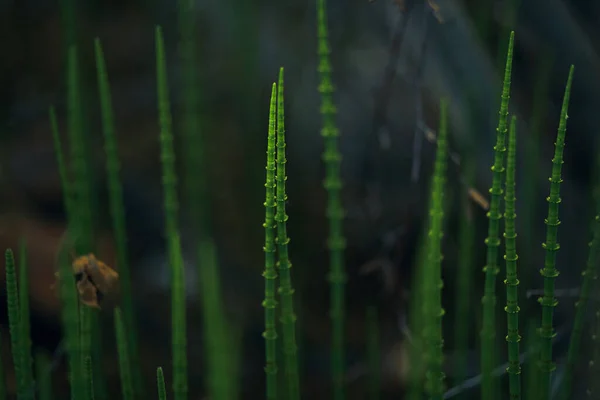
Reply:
x=427, y=379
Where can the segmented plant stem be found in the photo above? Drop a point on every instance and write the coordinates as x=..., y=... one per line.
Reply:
x=288, y=318
x=590, y=277
x=432, y=301
x=335, y=212
x=512, y=283
x=25, y=336
x=488, y=332
x=463, y=317
x=169, y=180
x=270, y=274
x=124, y=361
x=160, y=383
x=117, y=211
x=14, y=325
x=549, y=272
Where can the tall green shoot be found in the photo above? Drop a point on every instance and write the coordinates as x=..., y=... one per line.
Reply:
x=335, y=212
x=549, y=272
x=512, y=283
x=169, y=180
x=270, y=274
x=117, y=211
x=286, y=291
x=488, y=332
x=432, y=285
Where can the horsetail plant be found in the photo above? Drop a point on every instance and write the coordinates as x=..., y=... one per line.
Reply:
x=117, y=212
x=270, y=274
x=286, y=291
x=432, y=285
x=169, y=180
x=335, y=212
x=160, y=383
x=70, y=323
x=590, y=277
x=512, y=283
x=3, y=375
x=124, y=360
x=488, y=332
x=14, y=325
x=549, y=272
x=24, y=316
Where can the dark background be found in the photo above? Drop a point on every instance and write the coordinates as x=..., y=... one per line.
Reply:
x=241, y=45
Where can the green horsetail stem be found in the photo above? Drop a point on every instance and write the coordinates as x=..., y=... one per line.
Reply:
x=160, y=384
x=270, y=274
x=67, y=188
x=169, y=181
x=432, y=296
x=87, y=366
x=512, y=283
x=286, y=291
x=3, y=375
x=335, y=212
x=590, y=277
x=117, y=211
x=70, y=322
x=464, y=280
x=25, y=320
x=123, y=352
x=488, y=332
x=549, y=272
x=14, y=325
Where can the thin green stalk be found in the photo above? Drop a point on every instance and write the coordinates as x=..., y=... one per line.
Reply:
x=549, y=272
x=3, y=376
x=432, y=300
x=288, y=319
x=70, y=323
x=464, y=280
x=193, y=147
x=115, y=191
x=14, y=325
x=218, y=340
x=160, y=383
x=335, y=211
x=590, y=276
x=512, y=283
x=43, y=376
x=25, y=323
x=169, y=180
x=67, y=188
x=87, y=365
x=373, y=353
x=124, y=361
x=488, y=332
x=270, y=274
